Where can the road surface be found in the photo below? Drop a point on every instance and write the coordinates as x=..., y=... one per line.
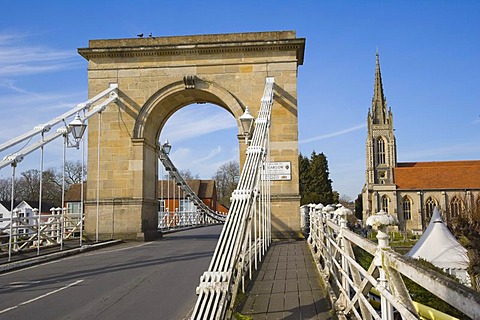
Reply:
x=149, y=280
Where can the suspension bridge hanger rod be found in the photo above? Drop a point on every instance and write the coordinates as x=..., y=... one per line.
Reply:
x=47, y=126
x=170, y=167
x=18, y=156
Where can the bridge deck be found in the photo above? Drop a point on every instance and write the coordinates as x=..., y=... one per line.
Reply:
x=287, y=286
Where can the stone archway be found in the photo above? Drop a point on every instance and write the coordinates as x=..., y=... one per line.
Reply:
x=158, y=76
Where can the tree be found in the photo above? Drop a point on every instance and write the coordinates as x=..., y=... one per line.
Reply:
x=359, y=207
x=5, y=189
x=467, y=228
x=303, y=172
x=74, y=172
x=27, y=186
x=187, y=175
x=226, y=179
x=315, y=185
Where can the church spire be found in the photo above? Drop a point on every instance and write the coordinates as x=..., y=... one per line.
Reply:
x=379, y=103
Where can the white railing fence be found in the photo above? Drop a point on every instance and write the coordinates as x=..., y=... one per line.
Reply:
x=246, y=234
x=350, y=285
x=183, y=219
x=215, y=217
x=22, y=232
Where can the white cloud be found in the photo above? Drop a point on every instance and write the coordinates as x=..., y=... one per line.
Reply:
x=20, y=58
x=216, y=151
x=197, y=120
x=333, y=134
x=26, y=110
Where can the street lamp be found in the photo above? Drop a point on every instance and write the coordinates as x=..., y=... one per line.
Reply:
x=77, y=128
x=166, y=147
x=247, y=120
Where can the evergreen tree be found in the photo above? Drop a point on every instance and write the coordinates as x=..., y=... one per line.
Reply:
x=303, y=173
x=315, y=185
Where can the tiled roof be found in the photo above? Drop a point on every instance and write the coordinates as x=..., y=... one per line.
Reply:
x=46, y=206
x=205, y=189
x=73, y=193
x=438, y=175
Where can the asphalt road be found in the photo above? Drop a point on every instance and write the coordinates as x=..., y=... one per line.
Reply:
x=151, y=280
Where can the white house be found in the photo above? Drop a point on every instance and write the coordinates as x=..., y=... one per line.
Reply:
x=4, y=214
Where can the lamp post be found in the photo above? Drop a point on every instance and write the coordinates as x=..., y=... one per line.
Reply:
x=247, y=120
x=77, y=128
x=166, y=147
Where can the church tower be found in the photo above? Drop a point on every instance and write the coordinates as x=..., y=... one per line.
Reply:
x=381, y=146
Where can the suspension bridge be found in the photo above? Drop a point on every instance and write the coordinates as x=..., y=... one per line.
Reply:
x=264, y=207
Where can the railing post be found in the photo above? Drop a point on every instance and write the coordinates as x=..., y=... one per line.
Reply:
x=62, y=226
x=37, y=216
x=16, y=229
x=382, y=220
x=342, y=214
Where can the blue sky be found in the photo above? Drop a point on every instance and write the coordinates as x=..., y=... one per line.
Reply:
x=429, y=54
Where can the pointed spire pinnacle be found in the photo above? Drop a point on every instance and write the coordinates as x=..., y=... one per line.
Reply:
x=379, y=103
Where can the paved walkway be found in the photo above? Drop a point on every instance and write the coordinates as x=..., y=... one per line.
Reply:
x=287, y=286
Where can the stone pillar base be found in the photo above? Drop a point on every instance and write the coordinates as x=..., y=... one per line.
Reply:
x=126, y=219
x=286, y=217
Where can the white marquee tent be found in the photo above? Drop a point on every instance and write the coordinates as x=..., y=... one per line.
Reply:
x=438, y=246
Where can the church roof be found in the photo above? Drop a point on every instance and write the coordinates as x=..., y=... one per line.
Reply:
x=438, y=175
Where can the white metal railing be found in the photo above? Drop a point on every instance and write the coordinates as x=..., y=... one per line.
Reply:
x=215, y=217
x=246, y=234
x=350, y=284
x=18, y=156
x=22, y=232
x=84, y=111
x=183, y=219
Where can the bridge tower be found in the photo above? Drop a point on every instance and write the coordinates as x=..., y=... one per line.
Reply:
x=156, y=77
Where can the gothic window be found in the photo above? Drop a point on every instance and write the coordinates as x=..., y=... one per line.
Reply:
x=455, y=207
x=385, y=201
x=430, y=204
x=407, y=208
x=380, y=151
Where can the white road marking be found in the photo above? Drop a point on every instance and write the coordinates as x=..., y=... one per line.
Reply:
x=92, y=253
x=20, y=284
x=41, y=297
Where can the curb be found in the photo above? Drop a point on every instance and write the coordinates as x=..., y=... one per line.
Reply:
x=9, y=266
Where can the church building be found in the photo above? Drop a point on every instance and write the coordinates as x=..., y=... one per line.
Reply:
x=411, y=190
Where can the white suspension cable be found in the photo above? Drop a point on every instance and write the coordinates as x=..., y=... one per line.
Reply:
x=219, y=284
x=18, y=156
x=187, y=190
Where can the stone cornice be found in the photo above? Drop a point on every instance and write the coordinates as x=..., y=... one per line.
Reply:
x=145, y=47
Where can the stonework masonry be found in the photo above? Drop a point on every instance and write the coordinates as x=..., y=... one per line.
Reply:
x=228, y=70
